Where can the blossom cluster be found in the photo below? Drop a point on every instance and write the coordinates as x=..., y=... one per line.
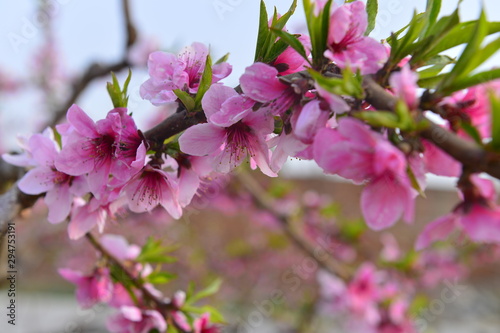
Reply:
x=135, y=314
x=91, y=171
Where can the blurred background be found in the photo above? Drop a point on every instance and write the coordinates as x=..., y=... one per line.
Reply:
x=44, y=51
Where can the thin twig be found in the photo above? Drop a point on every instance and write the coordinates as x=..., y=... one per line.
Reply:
x=267, y=202
x=164, y=307
x=134, y=279
x=471, y=155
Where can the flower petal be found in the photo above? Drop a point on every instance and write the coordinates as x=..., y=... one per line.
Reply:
x=202, y=139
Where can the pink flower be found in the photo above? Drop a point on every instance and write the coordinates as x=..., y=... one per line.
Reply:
x=355, y=152
x=362, y=291
x=336, y=103
x=191, y=171
x=233, y=131
x=290, y=61
x=152, y=187
x=390, y=251
x=110, y=146
x=169, y=72
x=347, y=45
x=90, y=289
x=309, y=120
x=118, y=246
x=86, y=215
x=132, y=319
x=404, y=85
x=478, y=217
x=260, y=82
x=286, y=145
x=59, y=187
x=202, y=325
x=473, y=105
x=438, y=162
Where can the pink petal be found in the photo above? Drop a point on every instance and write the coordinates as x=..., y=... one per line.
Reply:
x=233, y=109
x=220, y=71
x=188, y=185
x=58, y=200
x=336, y=103
x=310, y=120
x=436, y=230
x=71, y=275
x=404, y=84
x=116, y=245
x=83, y=221
x=339, y=24
x=215, y=96
x=37, y=181
x=132, y=313
x=43, y=149
x=384, y=201
x=170, y=203
x=83, y=124
x=202, y=139
x=440, y=163
x=286, y=145
x=482, y=224
x=73, y=159
x=259, y=82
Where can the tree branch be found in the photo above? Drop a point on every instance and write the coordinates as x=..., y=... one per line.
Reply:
x=470, y=154
x=12, y=203
x=164, y=307
x=264, y=200
x=173, y=125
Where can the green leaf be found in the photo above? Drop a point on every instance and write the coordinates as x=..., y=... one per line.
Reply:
x=118, y=95
x=154, y=252
x=186, y=99
x=210, y=290
x=282, y=21
x=292, y=41
x=460, y=34
x=222, y=59
x=486, y=52
x=318, y=30
x=431, y=82
x=215, y=316
x=472, y=132
x=379, y=118
x=405, y=45
x=466, y=63
x=371, y=10
x=263, y=34
x=432, y=9
x=205, y=83
x=473, y=80
x=278, y=48
x=349, y=84
x=437, y=64
x=433, y=37
x=406, y=122
x=414, y=181
x=495, y=126
x=160, y=277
